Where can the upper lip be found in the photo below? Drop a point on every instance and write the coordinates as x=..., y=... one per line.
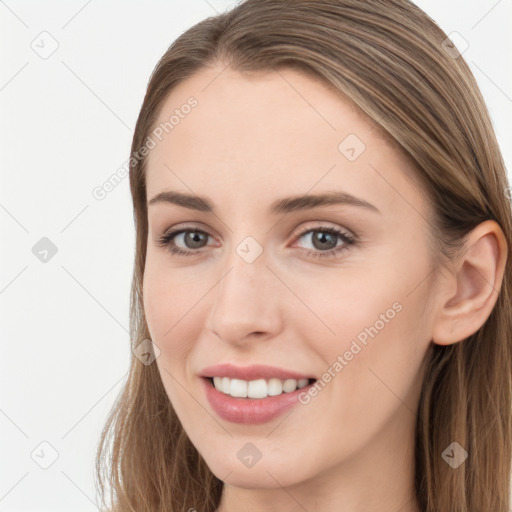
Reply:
x=253, y=372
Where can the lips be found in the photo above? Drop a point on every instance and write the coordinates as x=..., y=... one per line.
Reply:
x=251, y=410
x=247, y=410
x=252, y=372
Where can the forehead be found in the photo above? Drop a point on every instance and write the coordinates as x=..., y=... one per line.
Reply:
x=270, y=131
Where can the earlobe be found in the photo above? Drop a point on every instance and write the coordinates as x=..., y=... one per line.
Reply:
x=478, y=276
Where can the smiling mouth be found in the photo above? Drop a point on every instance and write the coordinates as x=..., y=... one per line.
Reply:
x=259, y=388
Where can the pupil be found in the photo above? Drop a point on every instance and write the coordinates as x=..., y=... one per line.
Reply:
x=195, y=238
x=321, y=237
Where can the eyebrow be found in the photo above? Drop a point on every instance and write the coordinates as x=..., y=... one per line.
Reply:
x=284, y=205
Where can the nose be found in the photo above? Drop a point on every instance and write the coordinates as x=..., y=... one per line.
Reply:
x=246, y=303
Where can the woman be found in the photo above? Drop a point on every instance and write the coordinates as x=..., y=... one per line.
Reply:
x=322, y=288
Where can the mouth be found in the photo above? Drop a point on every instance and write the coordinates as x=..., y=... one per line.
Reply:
x=252, y=402
x=257, y=389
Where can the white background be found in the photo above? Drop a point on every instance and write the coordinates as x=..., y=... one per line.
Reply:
x=66, y=125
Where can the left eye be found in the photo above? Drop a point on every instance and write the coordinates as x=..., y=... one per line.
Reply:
x=324, y=240
x=327, y=235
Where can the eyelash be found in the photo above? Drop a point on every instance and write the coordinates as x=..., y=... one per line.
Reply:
x=167, y=238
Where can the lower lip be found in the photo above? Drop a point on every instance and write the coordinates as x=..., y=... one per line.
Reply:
x=250, y=410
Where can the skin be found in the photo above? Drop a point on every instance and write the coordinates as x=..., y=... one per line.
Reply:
x=253, y=139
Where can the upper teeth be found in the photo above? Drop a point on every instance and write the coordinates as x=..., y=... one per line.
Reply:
x=257, y=388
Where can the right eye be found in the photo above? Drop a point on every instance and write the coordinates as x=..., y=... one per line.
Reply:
x=188, y=237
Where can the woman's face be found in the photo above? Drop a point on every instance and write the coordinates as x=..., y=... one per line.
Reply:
x=272, y=286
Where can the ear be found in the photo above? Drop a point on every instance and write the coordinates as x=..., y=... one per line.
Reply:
x=473, y=285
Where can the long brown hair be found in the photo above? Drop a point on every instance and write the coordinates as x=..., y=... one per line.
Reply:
x=395, y=64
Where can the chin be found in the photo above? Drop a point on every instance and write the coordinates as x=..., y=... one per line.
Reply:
x=269, y=474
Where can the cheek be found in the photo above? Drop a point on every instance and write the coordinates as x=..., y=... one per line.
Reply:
x=156, y=302
x=377, y=322
x=172, y=306
x=164, y=306
x=372, y=366
x=348, y=306
x=165, y=301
